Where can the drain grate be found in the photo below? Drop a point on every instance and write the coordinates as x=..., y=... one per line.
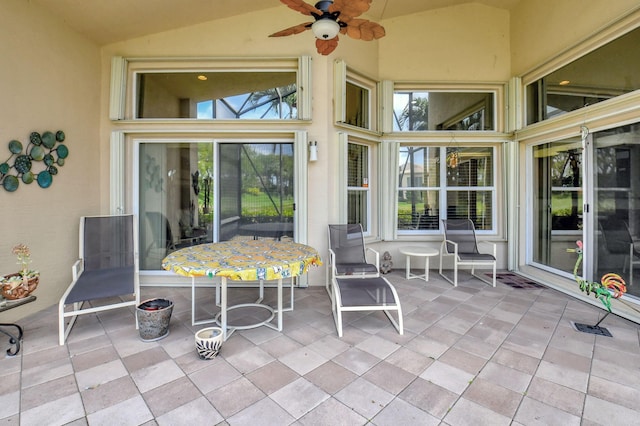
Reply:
x=591, y=329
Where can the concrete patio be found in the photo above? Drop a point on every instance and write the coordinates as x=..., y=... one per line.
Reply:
x=470, y=355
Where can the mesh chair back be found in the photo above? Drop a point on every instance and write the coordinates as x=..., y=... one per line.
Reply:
x=108, y=242
x=617, y=237
x=347, y=242
x=462, y=232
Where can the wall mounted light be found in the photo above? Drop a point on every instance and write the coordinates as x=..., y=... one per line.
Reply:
x=313, y=151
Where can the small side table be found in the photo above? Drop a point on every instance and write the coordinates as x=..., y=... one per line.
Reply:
x=425, y=252
x=14, y=339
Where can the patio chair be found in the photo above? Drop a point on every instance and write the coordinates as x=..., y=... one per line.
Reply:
x=348, y=255
x=365, y=294
x=106, y=271
x=618, y=241
x=163, y=235
x=461, y=244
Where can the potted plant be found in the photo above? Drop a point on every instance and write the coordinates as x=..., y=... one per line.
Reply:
x=20, y=284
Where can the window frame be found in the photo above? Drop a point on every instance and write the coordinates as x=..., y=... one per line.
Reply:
x=343, y=75
x=444, y=188
x=124, y=71
x=373, y=190
x=496, y=90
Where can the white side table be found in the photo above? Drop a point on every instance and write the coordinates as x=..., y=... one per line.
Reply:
x=425, y=252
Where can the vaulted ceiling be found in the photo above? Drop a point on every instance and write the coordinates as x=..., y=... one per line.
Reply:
x=109, y=21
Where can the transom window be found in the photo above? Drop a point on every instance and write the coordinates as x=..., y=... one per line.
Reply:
x=232, y=95
x=420, y=110
x=609, y=71
x=445, y=182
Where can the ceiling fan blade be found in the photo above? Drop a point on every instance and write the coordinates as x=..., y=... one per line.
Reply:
x=363, y=29
x=302, y=7
x=349, y=8
x=326, y=46
x=296, y=29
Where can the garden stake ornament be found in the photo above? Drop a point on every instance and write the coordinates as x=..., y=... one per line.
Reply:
x=609, y=283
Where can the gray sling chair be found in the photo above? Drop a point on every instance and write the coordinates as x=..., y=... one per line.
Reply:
x=348, y=255
x=461, y=244
x=618, y=242
x=353, y=282
x=106, y=271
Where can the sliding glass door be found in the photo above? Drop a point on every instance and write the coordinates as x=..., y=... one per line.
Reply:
x=190, y=193
x=590, y=192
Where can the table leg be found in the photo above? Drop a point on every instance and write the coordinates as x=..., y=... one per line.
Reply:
x=13, y=339
x=408, y=267
x=223, y=307
x=193, y=300
x=280, y=304
x=426, y=268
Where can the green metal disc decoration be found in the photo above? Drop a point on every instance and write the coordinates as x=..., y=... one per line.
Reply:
x=45, y=152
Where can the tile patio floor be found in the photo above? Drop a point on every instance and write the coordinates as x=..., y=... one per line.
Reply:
x=470, y=355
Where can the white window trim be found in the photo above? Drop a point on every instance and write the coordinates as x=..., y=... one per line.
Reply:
x=497, y=89
x=122, y=90
x=343, y=74
x=443, y=189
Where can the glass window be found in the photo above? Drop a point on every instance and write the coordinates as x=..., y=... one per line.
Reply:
x=466, y=189
x=357, y=106
x=358, y=190
x=175, y=189
x=557, y=202
x=605, y=73
x=437, y=110
x=183, y=196
x=257, y=95
x=256, y=190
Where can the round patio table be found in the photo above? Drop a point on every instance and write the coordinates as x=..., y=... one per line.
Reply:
x=242, y=261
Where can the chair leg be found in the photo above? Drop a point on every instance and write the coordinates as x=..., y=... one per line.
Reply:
x=494, y=274
x=455, y=272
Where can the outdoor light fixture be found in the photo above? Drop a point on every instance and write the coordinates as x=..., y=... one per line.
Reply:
x=325, y=28
x=313, y=151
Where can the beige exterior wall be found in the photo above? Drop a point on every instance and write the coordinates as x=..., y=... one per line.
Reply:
x=53, y=79
x=469, y=42
x=542, y=29
x=49, y=80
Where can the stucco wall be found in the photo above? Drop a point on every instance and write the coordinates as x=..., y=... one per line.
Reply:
x=543, y=28
x=469, y=42
x=49, y=80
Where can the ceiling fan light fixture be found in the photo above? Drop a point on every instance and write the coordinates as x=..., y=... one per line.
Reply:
x=325, y=29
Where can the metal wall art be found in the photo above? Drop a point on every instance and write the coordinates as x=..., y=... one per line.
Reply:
x=46, y=148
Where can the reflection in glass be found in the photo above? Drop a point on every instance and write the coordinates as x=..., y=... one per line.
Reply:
x=358, y=185
x=217, y=95
x=418, y=180
x=467, y=187
x=609, y=71
x=557, y=213
x=175, y=187
x=256, y=193
x=433, y=110
x=183, y=197
x=616, y=175
x=357, y=106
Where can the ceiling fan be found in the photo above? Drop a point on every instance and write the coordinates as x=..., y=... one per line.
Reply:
x=331, y=18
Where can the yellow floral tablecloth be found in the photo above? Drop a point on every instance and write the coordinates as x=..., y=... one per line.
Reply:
x=244, y=260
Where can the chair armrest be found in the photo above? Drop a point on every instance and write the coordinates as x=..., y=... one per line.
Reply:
x=332, y=263
x=77, y=268
x=444, y=250
x=377, y=254
x=494, y=250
